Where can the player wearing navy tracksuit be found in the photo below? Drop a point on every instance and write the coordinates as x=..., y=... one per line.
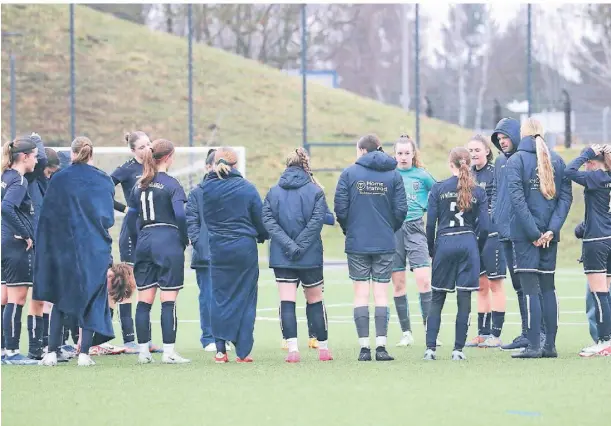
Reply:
x=161, y=238
x=506, y=138
x=596, y=253
x=19, y=158
x=541, y=197
x=294, y=212
x=459, y=209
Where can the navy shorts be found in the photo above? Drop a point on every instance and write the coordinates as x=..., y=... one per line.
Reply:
x=528, y=258
x=492, y=259
x=309, y=278
x=126, y=248
x=597, y=257
x=456, y=263
x=17, y=264
x=160, y=259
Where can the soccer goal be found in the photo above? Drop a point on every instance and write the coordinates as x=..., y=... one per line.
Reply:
x=188, y=166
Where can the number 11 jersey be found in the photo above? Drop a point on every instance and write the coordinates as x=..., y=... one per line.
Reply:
x=155, y=203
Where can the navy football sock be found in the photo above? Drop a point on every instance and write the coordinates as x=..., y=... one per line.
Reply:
x=12, y=325
x=463, y=299
x=381, y=321
x=86, y=341
x=143, y=322
x=56, y=322
x=221, y=346
x=319, y=320
x=288, y=319
x=311, y=327
x=7, y=326
x=169, y=322
x=403, y=313
x=127, y=322
x=603, y=315
x=498, y=319
x=425, y=305
x=34, y=333
x=433, y=322
x=45, y=330
x=2, y=328
x=361, y=320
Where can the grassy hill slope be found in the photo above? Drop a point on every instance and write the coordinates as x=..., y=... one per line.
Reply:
x=129, y=77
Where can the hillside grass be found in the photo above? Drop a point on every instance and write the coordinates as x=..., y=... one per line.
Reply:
x=129, y=77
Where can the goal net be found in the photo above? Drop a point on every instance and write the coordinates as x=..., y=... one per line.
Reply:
x=188, y=167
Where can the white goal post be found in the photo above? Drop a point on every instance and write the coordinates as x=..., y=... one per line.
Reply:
x=188, y=166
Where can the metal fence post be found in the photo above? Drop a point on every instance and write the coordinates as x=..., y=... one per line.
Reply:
x=304, y=90
x=190, y=82
x=605, y=125
x=567, y=119
x=417, y=72
x=529, y=60
x=72, y=78
x=13, y=98
x=497, y=113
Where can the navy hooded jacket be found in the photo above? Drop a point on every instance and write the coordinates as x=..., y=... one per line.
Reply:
x=532, y=214
x=294, y=212
x=196, y=227
x=370, y=204
x=500, y=204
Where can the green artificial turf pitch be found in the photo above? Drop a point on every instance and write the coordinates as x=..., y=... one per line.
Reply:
x=489, y=388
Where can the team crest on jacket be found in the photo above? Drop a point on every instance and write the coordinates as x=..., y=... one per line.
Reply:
x=371, y=187
x=416, y=186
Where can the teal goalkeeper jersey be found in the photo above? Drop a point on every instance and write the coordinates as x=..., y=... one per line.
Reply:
x=418, y=183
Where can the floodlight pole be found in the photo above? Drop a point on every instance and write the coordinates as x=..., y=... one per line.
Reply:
x=72, y=78
x=304, y=89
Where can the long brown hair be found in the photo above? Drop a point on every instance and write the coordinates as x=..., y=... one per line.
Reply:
x=225, y=158
x=299, y=158
x=545, y=171
x=82, y=147
x=416, y=160
x=123, y=282
x=11, y=150
x=486, y=142
x=132, y=137
x=461, y=159
x=151, y=158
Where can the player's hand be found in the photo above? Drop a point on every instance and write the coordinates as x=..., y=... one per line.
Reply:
x=30, y=244
x=606, y=149
x=538, y=242
x=597, y=148
x=547, y=239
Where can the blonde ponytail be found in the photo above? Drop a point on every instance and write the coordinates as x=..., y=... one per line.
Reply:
x=7, y=156
x=82, y=147
x=151, y=157
x=545, y=170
